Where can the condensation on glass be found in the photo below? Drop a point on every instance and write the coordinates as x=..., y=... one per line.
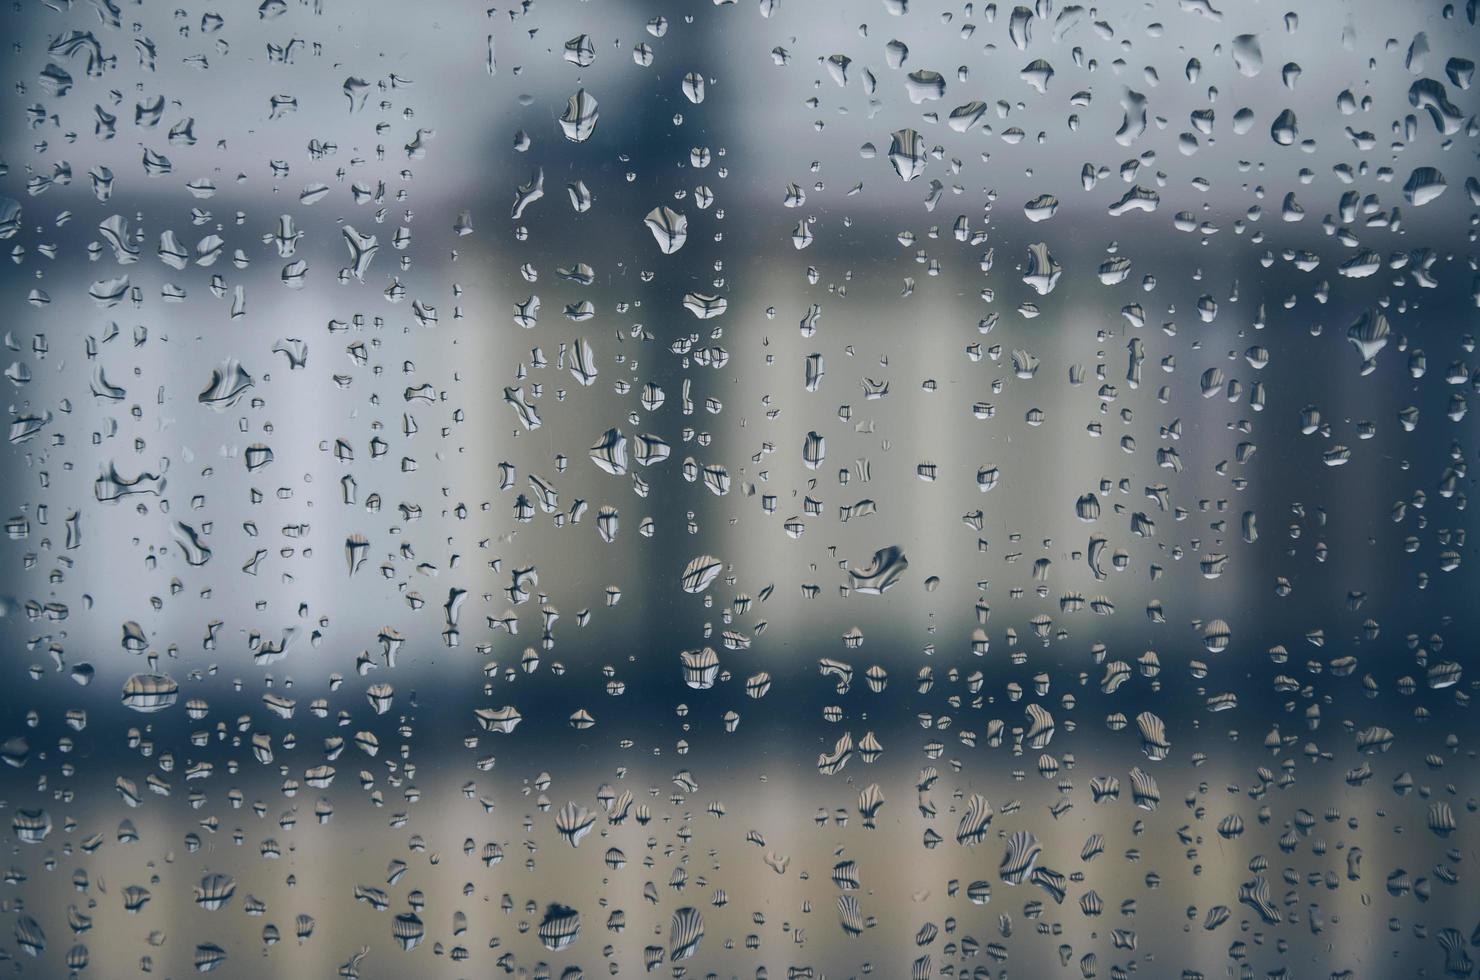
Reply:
x=758, y=489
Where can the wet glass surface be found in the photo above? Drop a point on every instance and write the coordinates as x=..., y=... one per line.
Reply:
x=759, y=489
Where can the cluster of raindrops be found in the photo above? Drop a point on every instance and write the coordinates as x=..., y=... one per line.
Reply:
x=1008, y=524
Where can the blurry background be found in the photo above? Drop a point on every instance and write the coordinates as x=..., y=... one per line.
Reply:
x=1347, y=613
